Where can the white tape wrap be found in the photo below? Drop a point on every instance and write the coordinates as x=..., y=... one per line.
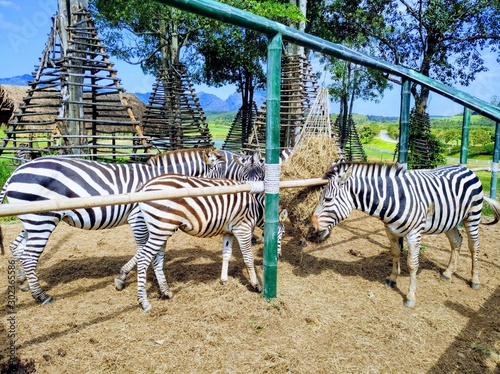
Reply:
x=256, y=186
x=272, y=178
x=494, y=166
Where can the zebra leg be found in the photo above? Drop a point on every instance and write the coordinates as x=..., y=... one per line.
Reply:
x=455, y=239
x=140, y=232
x=227, y=249
x=412, y=262
x=160, y=275
x=245, y=241
x=396, y=248
x=120, y=281
x=155, y=244
x=17, y=248
x=143, y=260
x=471, y=229
x=42, y=228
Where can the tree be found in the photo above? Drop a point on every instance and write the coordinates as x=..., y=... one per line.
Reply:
x=366, y=134
x=441, y=39
x=144, y=32
x=480, y=136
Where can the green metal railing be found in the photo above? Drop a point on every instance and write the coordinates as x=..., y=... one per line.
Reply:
x=277, y=33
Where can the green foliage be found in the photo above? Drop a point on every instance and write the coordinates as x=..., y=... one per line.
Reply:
x=393, y=131
x=6, y=170
x=366, y=134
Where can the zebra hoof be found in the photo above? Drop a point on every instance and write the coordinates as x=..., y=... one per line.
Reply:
x=258, y=288
x=119, y=284
x=146, y=306
x=475, y=286
x=46, y=300
x=390, y=283
x=445, y=277
x=24, y=286
x=410, y=303
x=166, y=295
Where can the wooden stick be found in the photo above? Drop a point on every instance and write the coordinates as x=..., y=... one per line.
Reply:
x=130, y=198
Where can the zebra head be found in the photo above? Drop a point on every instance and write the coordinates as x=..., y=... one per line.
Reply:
x=335, y=203
x=214, y=161
x=251, y=167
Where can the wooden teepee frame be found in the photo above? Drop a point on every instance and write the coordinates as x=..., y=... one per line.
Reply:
x=298, y=93
x=75, y=95
x=174, y=118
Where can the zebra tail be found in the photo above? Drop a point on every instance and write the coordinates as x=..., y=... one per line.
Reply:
x=495, y=205
x=2, y=251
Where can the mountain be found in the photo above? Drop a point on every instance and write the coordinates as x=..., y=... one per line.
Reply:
x=209, y=102
x=213, y=103
x=20, y=80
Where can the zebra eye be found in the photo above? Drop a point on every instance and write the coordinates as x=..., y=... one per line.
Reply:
x=328, y=199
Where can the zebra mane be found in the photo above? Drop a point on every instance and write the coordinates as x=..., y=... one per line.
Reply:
x=364, y=168
x=155, y=159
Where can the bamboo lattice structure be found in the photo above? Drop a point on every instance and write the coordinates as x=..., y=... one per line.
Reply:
x=298, y=93
x=240, y=129
x=349, y=140
x=174, y=118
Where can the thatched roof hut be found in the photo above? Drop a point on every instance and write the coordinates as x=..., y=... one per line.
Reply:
x=11, y=98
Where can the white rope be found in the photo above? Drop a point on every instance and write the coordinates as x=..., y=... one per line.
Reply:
x=272, y=178
x=256, y=186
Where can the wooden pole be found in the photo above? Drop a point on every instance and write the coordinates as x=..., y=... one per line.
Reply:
x=131, y=198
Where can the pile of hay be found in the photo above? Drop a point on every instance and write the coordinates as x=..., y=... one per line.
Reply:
x=310, y=159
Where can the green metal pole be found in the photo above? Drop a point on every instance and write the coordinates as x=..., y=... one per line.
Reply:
x=494, y=165
x=465, y=137
x=271, y=182
x=404, y=123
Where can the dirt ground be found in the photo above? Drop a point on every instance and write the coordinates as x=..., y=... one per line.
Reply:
x=333, y=313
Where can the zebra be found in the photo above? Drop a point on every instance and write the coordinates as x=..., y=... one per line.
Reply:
x=24, y=154
x=410, y=203
x=238, y=167
x=49, y=178
x=243, y=167
x=232, y=215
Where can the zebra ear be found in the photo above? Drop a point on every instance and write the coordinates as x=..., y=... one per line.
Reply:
x=283, y=215
x=206, y=159
x=345, y=175
x=238, y=161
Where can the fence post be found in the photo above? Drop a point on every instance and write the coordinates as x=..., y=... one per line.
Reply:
x=465, y=137
x=404, y=123
x=271, y=182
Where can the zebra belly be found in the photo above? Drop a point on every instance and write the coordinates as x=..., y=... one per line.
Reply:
x=97, y=218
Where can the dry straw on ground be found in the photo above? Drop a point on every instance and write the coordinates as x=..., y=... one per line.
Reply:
x=310, y=159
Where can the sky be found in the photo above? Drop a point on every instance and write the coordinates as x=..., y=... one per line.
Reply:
x=25, y=25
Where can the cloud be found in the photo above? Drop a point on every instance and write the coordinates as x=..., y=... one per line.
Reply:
x=9, y=4
x=6, y=25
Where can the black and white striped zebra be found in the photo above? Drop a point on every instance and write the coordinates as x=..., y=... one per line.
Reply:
x=24, y=154
x=49, y=178
x=410, y=203
x=238, y=167
x=232, y=215
x=243, y=167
